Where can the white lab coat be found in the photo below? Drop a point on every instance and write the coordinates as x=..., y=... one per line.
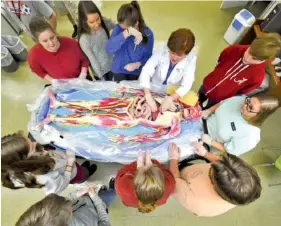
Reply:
x=156, y=68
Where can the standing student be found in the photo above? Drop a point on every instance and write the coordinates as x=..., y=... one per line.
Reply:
x=144, y=184
x=131, y=43
x=26, y=164
x=93, y=34
x=84, y=208
x=240, y=69
x=171, y=64
x=66, y=8
x=55, y=57
x=23, y=12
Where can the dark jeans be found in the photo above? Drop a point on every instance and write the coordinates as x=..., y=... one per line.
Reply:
x=120, y=77
x=108, y=76
x=107, y=196
x=203, y=98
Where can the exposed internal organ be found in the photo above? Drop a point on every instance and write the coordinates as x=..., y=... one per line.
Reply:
x=114, y=112
x=140, y=109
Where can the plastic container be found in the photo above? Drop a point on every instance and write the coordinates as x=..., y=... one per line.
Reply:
x=239, y=26
x=278, y=163
x=15, y=47
x=8, y=62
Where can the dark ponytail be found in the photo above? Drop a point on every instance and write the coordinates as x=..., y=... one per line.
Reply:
x=130, y=14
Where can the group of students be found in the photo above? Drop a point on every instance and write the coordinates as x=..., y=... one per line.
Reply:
x=233, y=120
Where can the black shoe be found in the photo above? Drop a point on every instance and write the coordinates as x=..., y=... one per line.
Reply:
x=86, y=164
x=92, y=169
x=111, y=183
x=74, y=34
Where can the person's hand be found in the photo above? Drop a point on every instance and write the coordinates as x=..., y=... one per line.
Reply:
x=140, y=159
x=82, y=75
x=70, y=157
x=82, y=192
x=174, y=151
x=132, y=66
x=151, y=102
x=136, y=34
x=199, y=148
x=85, y=190
x=205, y=114
x=143, y=159
x=206, y=139
x=49, y=134
x=92, y=191
x=148, y=161
x=168, y=104
x=83, y=72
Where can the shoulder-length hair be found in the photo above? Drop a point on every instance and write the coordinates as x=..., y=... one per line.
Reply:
x=85, y=8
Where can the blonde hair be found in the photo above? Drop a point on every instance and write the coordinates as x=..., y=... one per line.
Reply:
x=53, y=210
x=266, y=46
x=149, y=186
x=268, y=105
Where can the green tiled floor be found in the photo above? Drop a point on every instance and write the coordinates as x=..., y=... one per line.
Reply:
x=208, y=23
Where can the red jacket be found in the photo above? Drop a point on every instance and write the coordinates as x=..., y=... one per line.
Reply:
x=124, y=184
x=231, y=76
x=63, y=64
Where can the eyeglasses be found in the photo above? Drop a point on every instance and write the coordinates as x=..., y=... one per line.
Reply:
x=249, y=106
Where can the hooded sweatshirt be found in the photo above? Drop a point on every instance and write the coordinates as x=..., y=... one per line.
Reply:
x=231, y=76
x=125, y=51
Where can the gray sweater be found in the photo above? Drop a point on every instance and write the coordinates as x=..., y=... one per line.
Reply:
x=93, y=45
x=58, y=179
x=88, y=211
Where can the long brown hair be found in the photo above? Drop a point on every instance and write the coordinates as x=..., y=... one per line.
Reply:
x=53, y=210
x=268, y=105
x=85, y=8
x=235, y=181
x=149, y=186
x=130, y=14
x=17, y=165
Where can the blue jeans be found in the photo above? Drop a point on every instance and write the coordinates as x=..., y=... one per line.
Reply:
x=107, y=196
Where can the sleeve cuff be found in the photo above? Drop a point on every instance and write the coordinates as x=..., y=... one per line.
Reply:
x=67, y=174
x=96, y=199
x=42, y=75
x=85, y=64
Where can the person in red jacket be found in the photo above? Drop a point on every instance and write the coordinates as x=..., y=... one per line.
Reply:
x=144, y=184
x=239, y=70
x=55, y=57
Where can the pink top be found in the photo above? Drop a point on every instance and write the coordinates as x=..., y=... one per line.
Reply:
x=196, y=193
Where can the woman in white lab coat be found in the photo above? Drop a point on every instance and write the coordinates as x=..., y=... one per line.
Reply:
x=171, y=64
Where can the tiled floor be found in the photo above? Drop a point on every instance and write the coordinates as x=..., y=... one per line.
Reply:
x=208, y=23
